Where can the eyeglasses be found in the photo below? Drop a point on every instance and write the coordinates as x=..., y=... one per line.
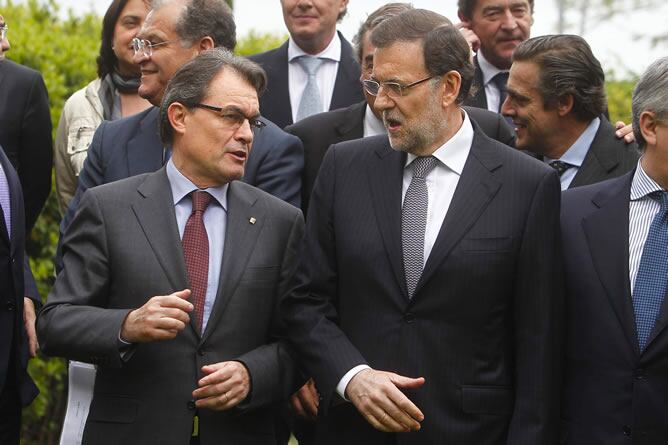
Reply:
x=146, y=46
x=3, y=32
x=234, y=119
x=392, y=89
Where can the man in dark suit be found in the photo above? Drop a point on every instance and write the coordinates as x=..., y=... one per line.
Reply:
x=25, y=130
x=359, y=120
x=172, y=279
x=432, y=254
x=494, y=29
x=17, y=312
x=556, y=98
x=615, y=239
x=132, y=146
x=314, y=44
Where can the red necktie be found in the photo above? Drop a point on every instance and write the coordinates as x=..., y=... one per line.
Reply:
x=196, y=252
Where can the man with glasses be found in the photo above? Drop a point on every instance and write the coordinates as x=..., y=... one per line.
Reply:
x=172, y=279
x=174, y=32
x=25, y=128
x=427, y=300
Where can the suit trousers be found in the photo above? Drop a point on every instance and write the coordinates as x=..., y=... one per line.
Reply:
x=10, y=406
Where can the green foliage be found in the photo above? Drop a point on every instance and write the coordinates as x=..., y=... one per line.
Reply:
x=619, y=99
x=256, y=42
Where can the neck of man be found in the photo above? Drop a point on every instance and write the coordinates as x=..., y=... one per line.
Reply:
x=454, y=119
x=501, y=64
x=316, y=44
x=564, y=137
x=655, y=163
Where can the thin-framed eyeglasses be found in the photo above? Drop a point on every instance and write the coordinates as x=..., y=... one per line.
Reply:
x=146, y=46
x=392, y=89
x=3, y=32
x=233, y=118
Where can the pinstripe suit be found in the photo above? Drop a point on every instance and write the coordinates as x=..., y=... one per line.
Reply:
x=483, y=325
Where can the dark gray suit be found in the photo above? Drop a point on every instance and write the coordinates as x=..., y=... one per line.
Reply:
x=122, y=248
x=275, y=102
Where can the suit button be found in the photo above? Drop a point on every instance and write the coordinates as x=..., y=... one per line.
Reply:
x=626, y=430
x=191, y=405
x=409, y=317
x=10, y=306
x=639, y=374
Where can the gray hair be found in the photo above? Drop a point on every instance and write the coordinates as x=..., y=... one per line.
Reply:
x=204, y=18
x=651, y=94
x=190, y=84
x=374, y=19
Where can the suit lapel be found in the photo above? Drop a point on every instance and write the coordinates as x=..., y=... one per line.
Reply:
x=347, y=87
x=240, y=238
x=602, y=156
x=479, y=98
x=607, y=233
x=154, y=209
x=278, y=91
x=385, y=178
x=352, y=125
x=145, y=150
x=475, y=190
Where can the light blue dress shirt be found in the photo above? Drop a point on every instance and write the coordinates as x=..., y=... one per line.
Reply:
x=576, y=154
x=215, y=221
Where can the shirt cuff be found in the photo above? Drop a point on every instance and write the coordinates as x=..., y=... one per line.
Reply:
x=347, y=377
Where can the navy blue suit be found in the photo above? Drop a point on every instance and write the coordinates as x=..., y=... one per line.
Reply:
x=613, y=393
x=16, y=387
x=132, y=146
x=275, y=102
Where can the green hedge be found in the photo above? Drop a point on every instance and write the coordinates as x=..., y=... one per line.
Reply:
x=64, y=51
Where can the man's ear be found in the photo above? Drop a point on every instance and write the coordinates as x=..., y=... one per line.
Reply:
x=177, y=114
x=648, y=123
x=565, y=104
x=452, y=83
x=205, y=43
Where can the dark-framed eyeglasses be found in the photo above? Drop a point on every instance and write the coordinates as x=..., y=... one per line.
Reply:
x=3, y=32
x=233, y=118
x=146, y=46
x=392, y=89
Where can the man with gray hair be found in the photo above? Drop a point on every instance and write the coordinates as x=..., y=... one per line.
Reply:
x=615, y=240
x=174, y=32
x=556, y=100
x=171, y=280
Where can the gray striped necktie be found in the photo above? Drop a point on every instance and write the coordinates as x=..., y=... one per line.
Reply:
x=414, y=221
x=311, y=103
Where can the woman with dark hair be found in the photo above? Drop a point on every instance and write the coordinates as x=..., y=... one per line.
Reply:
x=112, y=96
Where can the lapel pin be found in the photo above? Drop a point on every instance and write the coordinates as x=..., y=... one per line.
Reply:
x=252, y=220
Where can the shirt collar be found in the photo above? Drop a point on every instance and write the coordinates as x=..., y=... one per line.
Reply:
x=332, y=52
x=372, y=124
x=577, y=152
x=488, y=70
x=455, y=151
x=182, y=186
x=642, y=185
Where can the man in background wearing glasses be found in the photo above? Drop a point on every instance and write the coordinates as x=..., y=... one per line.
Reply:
x=172, y=279
x=174, y=32
x=431, y=252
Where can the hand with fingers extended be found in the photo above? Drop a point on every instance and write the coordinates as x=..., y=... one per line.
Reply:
x=223, y=386
x=160, y=318
x=304, y=403
x=377, y=396
x=625, y=132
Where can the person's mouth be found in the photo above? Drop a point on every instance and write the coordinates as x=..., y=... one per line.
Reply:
x=239, y=154
x=392, y=124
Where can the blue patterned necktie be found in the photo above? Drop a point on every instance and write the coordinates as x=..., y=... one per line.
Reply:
x=310, y=103
x=5, y=201
x=414, y=221
x=560, y=167
x=652, y=279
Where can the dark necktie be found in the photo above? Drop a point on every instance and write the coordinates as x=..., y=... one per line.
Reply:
x=560, y=167
x=196, y=252
x=500, y=80
x=414, y=221
x=652, y=280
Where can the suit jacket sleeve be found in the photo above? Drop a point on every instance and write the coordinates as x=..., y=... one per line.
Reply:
x=310, y=309
x=273, y=372
x=538, y=320
x=36, y=154
x=75, y=322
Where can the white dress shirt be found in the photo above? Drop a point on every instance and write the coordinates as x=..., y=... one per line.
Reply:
x=491, y=91
x=326, y=75
x=441, y=185
x=372, y=125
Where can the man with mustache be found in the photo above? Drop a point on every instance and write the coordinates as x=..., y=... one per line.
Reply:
x=427, y=302
x=556, y=99
x=315, y=70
